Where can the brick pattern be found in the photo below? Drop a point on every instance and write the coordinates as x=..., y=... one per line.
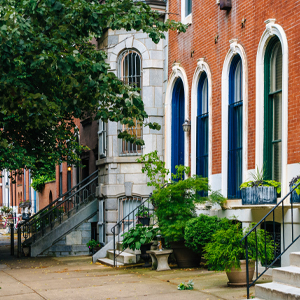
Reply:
x=208, y=22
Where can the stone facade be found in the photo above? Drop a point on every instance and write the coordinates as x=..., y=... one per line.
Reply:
x=73, y=243
x=119, y=174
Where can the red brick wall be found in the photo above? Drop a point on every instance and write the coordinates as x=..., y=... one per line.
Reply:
x=209, y=21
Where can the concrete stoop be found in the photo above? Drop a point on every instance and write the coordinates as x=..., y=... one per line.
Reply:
x=286, y=282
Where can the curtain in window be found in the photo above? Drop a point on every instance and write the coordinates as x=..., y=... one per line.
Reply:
x=235, y=129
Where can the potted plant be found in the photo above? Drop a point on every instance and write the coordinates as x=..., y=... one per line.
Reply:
x=259, y=190
x=143, y=215
x=295, y=196
x=140, y=238
x=175, y=203
x=225, y=252
x=94, y=246
x=7, y=211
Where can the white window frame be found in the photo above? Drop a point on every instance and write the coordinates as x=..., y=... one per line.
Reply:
x=185, y=19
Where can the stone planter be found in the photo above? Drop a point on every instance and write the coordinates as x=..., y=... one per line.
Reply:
x=185, y=257
x=294, y=196
x=237, y=277
x=259, y=195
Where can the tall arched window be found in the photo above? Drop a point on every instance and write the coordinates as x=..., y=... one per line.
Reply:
x=130, y=71
x=235, y=128
x=202, y=127
x=273, y=111
x=177, y=133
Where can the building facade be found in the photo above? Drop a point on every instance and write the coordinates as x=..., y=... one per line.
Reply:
x=233, y=74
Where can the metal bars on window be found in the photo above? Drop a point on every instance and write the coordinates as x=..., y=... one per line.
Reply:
x=130, y=71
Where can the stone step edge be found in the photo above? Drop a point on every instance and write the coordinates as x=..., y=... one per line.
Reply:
x=119, y=253
x=110, y=263
x=279, y=287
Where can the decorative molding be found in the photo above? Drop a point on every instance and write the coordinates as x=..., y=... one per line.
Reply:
x=270, y=26
x=234, y=45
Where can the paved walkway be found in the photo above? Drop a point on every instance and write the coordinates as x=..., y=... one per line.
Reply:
x=77, y=278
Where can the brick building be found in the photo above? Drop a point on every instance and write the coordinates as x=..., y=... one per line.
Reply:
x=234, y=74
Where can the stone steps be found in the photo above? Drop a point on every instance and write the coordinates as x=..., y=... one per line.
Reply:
x=286, y=282
x=122, y=257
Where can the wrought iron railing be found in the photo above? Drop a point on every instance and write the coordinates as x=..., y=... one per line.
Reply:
x=60, y=209
x=277, y=254
x=142, y=214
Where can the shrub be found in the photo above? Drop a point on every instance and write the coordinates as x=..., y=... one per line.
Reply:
x=199, y=231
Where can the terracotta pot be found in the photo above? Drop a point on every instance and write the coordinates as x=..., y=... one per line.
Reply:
x=237, y=277
x=185, y=257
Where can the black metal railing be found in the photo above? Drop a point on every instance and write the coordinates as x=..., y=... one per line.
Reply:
x=58, y=210
x=142, y=214
x=277, y=254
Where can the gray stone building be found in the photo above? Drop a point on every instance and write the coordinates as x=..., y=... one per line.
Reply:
x=136, y=60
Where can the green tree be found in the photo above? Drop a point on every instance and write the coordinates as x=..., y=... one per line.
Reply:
x=51, y=74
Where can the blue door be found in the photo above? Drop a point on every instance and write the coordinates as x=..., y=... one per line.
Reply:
x=177, y=134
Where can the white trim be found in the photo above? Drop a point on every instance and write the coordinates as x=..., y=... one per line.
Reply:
x=235, y=49
x=177, y=71
x=185, y=19
x=202, y=66
x=271, y=30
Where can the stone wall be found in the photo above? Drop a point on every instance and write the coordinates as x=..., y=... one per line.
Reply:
x=73, y=243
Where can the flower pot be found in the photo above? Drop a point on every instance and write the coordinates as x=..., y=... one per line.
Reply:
x=185, y=257
x=145, y=256
x=237, y=277
x=259, y=195
x=145, y=221
x=295, y=198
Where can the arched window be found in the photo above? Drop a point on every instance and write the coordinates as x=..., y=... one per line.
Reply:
x=126, y=206
x=177, y=133
x=273, y=111
x=130, y=71
x=202, y=127
x=235, y=128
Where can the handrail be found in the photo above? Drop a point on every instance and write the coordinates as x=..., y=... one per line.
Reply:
x=254, y=229
x=60, y=197
x=38, y=225
x=130, y=222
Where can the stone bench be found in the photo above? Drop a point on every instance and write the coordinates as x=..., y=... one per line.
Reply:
x=160, y=258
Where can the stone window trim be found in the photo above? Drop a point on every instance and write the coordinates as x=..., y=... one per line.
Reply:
x=177, y=71
x=235, y=49
x=202, y=66
x=272, y=29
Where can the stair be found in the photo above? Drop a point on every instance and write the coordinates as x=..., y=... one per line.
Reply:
x=286, y=282
x=123, y=258
x=45, y=241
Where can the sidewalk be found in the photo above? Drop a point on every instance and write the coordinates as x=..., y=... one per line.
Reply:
x=77, y=278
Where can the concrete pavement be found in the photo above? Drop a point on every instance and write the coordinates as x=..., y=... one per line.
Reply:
x=77, y=278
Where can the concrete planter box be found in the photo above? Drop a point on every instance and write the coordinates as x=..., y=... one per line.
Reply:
x=259, y=195
x=294, y=196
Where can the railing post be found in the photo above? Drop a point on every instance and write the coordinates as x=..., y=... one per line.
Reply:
x=247, y=267
x=12, y=243
x=19, y=240
x=114, y=241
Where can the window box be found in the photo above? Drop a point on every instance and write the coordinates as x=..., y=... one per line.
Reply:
x=259, y=195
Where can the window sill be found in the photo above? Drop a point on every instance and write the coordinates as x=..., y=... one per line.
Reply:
x=187, y=20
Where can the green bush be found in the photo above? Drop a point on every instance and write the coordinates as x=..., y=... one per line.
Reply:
x=198, y=231
x=38, y=183
x=137, y=236
x=226, y=250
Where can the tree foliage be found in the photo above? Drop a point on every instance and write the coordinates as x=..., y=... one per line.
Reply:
x=52, y=74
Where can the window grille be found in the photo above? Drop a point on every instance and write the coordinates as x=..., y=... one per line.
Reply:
x=130, y=72
x=127, y=205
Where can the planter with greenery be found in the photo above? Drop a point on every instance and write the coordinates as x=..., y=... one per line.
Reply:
x=175, y=202
x=295, y=196
x=143, y=215
x=259, y=190
x=94, y=246
x=6, y=211
x=225, y=252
